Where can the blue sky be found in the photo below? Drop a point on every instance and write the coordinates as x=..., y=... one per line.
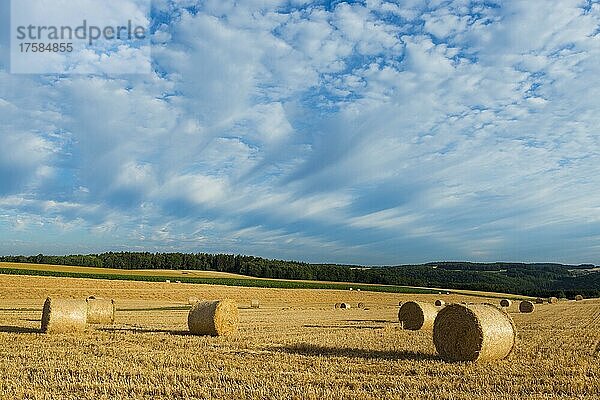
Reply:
x=374, y=132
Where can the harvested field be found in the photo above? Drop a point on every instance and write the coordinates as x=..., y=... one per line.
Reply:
x=295, y=346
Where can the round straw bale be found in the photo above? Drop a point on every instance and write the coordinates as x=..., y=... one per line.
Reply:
x=344, y=305
x=62, y=316
x=526, y=306
x=100, y=311
x=415, y=315
x=440, y=303
x=539, y=300
x=361, y=305
x=505, y=303
x=193, y=300
x=254, y=304
x=552, y=300
x=337, y=305
x=578, y=297
x=214, y=318
x=474, y=332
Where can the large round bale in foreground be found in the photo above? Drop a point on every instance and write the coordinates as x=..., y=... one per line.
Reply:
x=100, y=311
x=552, y=300
x=214, y=318
x=474, y=332
x=578, y=297
x=64, y=315
x=416, y=315
x=526, y=306
x=505, y=303
x=440, y=303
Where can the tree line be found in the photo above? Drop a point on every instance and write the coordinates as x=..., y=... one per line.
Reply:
x=518, y=278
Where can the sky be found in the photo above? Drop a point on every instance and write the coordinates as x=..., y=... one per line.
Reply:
x=365, y=132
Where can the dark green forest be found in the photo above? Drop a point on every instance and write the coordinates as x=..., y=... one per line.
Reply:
x=519, y=278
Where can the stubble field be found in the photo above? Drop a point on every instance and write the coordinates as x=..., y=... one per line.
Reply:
x=295, y=346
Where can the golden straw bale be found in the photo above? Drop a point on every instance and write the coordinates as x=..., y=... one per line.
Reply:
x=361, y=305
x=193, y=300
x=214, y=318
x=552, y=300
x=337, y=305
x=578, y=297
x=539, y=300
x=416, y=315
x=255, y=304
x=474, y=332
x=505, y=303
x=63, y=316
x=526, y=306
x=100, y=311
x=440, y=303
x=345, y=305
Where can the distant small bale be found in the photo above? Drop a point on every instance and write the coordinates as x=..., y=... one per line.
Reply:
x=193, y=300
x=167, y=281
x=345, y=305
x=337, y=305
x=578, y=297
x=361, y=305
x=351, y=289
x=505, y=303
x=100, y=311
x=552, y=300
x=177, y=281
x=474, y=332
x=416, y=315
x=526, y=306
x=358, y=290
x=440, y=303
x=254, y=304
x=64, y=316
x=539, y=300
x=214, y=318
x=448, y=293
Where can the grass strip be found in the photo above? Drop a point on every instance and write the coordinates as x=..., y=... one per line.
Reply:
x=262, y=283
